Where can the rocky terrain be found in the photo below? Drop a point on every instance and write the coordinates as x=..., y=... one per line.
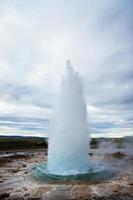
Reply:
x=16, y=182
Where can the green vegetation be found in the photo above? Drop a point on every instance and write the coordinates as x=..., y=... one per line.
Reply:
x=21, y=143
x=94, y=143
x=17, y=142
x=119, y=142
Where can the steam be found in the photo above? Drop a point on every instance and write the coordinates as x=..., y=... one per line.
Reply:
x=69, y=142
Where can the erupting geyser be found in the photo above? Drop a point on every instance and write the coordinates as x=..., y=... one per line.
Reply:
x=69, y=141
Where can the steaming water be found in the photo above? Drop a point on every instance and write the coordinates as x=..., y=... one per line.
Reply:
x=69, y=141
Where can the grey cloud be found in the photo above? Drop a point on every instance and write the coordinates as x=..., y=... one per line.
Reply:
x=27, y=95
x=24, y=123
x=104, y=29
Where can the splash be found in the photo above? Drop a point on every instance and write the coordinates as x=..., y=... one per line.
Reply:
x=69, y=140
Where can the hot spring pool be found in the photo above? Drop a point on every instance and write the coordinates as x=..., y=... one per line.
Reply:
x=95, y=175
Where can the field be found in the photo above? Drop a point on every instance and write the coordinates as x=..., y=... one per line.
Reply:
x=20, y=143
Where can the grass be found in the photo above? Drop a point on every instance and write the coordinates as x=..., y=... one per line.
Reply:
x=20, y=143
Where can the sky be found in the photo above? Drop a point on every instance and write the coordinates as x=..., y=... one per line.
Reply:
x=36, y=39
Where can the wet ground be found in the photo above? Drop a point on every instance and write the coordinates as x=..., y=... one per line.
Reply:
x=16, y=182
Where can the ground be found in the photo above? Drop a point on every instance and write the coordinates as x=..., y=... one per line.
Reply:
x=16, y=182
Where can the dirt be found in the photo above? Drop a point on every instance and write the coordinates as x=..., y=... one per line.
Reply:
x=16, y=182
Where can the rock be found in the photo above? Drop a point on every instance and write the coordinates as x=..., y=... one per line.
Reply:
x=4, y=196
x=58, y=193
x=118, y=155
x=24, y=165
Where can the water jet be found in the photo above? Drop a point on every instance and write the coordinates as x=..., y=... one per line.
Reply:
x=69, y=139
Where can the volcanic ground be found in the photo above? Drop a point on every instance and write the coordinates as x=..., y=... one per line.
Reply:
x=17, y=183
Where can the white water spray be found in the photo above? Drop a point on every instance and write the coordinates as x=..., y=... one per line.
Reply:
x=69, y=141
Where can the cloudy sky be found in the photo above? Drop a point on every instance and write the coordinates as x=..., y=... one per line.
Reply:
x=36, y=38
